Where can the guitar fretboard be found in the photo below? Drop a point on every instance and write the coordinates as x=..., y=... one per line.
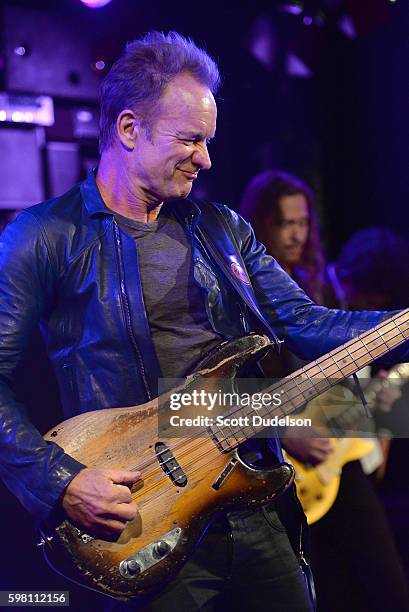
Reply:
x=313, y=379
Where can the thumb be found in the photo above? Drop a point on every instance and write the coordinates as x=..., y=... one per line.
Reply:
x=126, y=477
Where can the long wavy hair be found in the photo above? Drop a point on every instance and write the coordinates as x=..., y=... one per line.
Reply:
x=260, y=206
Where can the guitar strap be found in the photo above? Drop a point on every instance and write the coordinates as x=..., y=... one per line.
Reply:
x=222, y=245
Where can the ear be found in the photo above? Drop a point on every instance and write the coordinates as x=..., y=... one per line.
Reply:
x=127, y=127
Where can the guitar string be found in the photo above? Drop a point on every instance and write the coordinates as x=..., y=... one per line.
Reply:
x=159, y=469
x=290, y=388
x=193, y=461
x=168, y=485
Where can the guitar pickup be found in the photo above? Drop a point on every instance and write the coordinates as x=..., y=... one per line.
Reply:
x=169, y=465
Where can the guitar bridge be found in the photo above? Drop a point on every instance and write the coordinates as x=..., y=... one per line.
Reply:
x=225, y=474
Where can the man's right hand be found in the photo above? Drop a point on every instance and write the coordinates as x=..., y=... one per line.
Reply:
x=100, y=502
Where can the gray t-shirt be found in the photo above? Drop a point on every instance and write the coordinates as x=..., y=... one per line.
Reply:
x=174, y=303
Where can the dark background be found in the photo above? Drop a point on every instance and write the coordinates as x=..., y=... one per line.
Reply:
x=344, y=128
x=341, y=123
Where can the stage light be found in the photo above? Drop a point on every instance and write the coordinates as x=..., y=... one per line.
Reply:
x=84, y=116
x=293, y=8
x=21, y=50
x=347, y=26
x=297, y=68
x=95, y=3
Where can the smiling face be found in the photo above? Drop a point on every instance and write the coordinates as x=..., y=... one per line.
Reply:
x=289, y=237
x=165, y=162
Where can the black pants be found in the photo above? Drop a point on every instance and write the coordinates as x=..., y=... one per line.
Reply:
x=355, y=562
x=244, y=562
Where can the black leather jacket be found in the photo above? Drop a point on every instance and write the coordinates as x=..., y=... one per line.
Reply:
x=66, y=265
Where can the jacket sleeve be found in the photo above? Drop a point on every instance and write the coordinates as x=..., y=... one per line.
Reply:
x=308, y=329
x=36, y=471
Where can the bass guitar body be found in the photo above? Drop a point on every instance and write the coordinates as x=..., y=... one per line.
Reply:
x=185, y=482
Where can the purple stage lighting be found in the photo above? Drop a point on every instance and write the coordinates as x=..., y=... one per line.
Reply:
x=95, y=3
x=293, y=8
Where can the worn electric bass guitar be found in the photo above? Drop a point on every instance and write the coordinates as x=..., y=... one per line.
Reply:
x=187, y=481
x=318, y=486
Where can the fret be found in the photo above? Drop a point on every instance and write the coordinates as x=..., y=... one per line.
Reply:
x=290, y=388
x=223, y=444
x=339, y=364
x=321, y=386
x=399, y=329
x=352, y=358
x=358, y=355
x=334, y=366
x=306, y=383
x=327, y=368
x=233, y=432
x=226, y=445
x=340, y=354
x=352, y=366
x=215, y=432
x=323, y=382
x=248, y=414
x=306, y=371
x=314, y=385
x=253, y=430
x=376, y=342
x=367, y=349
x=385, y=340
x=323, y=373
x=296, y=387
x=289, y=400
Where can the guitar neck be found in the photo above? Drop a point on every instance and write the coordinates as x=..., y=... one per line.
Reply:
x=318, y=376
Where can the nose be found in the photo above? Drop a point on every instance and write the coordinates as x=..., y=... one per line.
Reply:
x=201, y=158
x=297, y=234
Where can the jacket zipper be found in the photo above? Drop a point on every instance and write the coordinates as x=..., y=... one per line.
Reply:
x=126, y=309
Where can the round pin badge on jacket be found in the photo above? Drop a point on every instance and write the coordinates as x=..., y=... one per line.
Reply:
x=240, y=273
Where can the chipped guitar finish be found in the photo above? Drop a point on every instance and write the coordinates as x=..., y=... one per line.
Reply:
x=127, y=437
x=186, y=481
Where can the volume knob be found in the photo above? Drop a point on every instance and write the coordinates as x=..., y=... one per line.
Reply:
x=162, y=548
x=133, y=566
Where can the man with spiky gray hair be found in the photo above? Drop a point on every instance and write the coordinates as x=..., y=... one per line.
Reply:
x=120, y=276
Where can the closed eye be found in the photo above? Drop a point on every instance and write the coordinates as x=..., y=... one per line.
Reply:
x=197, y=140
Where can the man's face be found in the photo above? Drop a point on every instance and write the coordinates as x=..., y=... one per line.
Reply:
x=167, y=161
x=288, y=238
